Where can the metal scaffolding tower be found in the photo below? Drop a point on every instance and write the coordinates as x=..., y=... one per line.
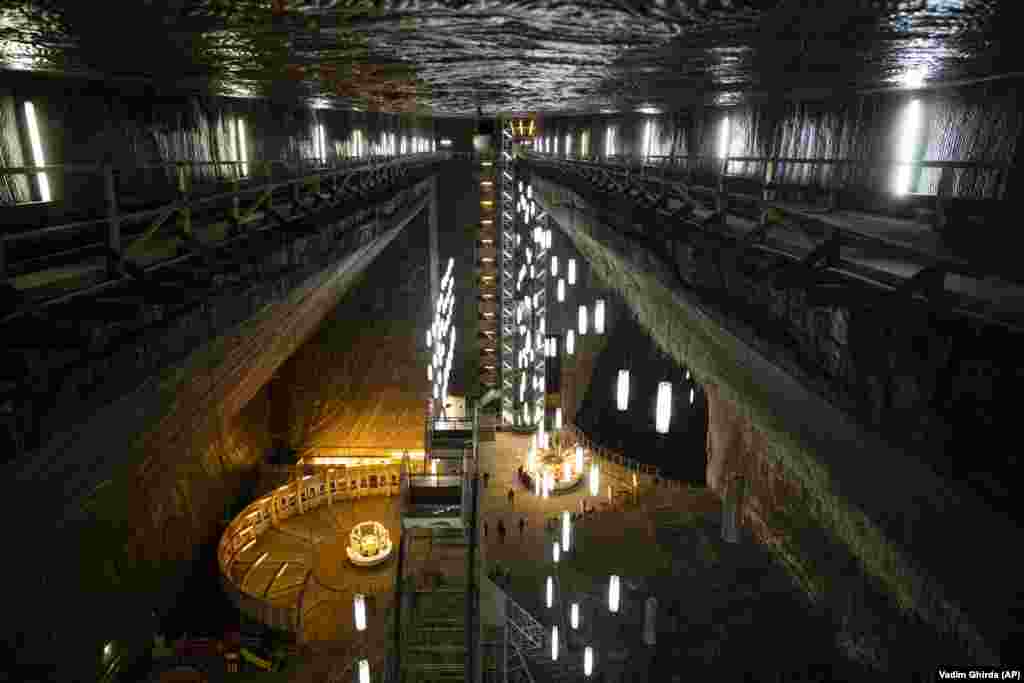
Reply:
x=507, y=267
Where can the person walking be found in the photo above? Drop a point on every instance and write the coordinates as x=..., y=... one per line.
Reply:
x=501, y=531
x=522, y=525
x=511, y=497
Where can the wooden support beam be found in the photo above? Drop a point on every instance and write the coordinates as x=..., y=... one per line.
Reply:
x=251, y=211
x=161, y=218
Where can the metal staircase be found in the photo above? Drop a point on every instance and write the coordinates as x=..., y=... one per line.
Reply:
x=435, y=646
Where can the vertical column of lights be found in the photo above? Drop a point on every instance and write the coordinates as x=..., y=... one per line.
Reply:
x=507, y=216
x=541, y=232
x=524, y=299
x=488, y=285
x=530, y=305
x=442, y=336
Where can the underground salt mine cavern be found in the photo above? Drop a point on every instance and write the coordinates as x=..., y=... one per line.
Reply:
x=510, y=342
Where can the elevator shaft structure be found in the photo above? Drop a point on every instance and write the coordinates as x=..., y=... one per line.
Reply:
x=525, y=242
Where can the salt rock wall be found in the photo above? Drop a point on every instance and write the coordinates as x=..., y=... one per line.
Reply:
x=853, y=494
x=168, y=458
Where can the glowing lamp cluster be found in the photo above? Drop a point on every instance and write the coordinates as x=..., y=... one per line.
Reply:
x=441, y=336
x=369, y=545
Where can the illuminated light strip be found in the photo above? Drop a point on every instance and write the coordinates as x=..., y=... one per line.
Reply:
x=284, y=566
x=909, y=135
x=37, y=150
x=251, y=569
x=243, y=154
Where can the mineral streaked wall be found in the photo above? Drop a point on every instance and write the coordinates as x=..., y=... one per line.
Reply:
x=832, y=461
x=981, y=122
x=163, y=451
x=360, y=380
x=89, y=122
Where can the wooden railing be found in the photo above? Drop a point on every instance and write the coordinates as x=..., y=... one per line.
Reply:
x=79, y=238
x=773, y=170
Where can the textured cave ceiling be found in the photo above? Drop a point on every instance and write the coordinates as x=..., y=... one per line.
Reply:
x=450, y=57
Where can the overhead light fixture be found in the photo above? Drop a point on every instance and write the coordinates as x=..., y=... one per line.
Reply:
x=907, y=147
x=595, y=479
x=243, y=154
x=613, y=594
x=566, y=529
x=364, y=671
x=574, y=615
x=599, y=316
x=572, y=271
x=36, y=143
x=723, y=138
x=554, y=266
x=360, y=610
x=554, y=643
x=622, y=392
x=558, y=418
x=664, y=407
x=556, y=553
x=579, y=459
x=560, y=293
x=549, y=593
x=588, y=661
x=570, y=342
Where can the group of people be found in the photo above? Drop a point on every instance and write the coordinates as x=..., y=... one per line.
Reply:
x=502, y=530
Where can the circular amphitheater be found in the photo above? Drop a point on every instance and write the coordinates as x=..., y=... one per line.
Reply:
x=287, y=560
